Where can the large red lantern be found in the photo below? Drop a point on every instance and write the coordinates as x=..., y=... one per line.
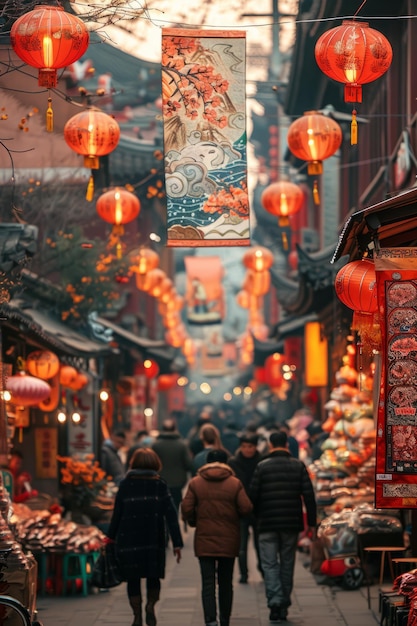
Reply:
x=48, y=39
x=282, y=199
x=353, y=54
x=258, y=259
x=92, y=134
x=355, y=286
x=313, y=138
x=27, y=390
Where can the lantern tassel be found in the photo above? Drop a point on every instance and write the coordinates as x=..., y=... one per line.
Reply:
x=284, y=240
x=49, y=117
x=354, y=129
x=90, y=189
x=316, y=195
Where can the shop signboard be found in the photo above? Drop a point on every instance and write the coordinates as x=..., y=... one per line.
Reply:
x=81, y=434
x=396, y=443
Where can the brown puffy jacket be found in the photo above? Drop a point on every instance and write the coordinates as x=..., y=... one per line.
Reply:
x=214, y=502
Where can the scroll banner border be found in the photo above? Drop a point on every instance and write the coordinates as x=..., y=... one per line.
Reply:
x=395, y=474
x=205, y=149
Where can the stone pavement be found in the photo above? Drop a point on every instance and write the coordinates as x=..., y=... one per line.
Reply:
x=180, y=605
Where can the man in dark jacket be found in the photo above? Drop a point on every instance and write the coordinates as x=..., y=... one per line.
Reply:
x=175, y=457
x=243, y=464
x=278, y=489
x=110, y=460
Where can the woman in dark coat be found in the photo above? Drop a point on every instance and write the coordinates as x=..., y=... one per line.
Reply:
x=143, y=505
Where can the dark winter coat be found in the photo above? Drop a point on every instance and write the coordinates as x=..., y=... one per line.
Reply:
x=244, y=467
x=279, y=485
x=111, y=462
x=143, y=504
x=175, y=456
x=214, y=502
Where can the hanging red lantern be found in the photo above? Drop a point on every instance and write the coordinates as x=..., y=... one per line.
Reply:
x=144, y=261
x=355, y=286
x=118, y=207
x=259, y=375
x=148, y=368
x=353, y=54
x=257, y=283
x=273, y=370
x=48, y=39
x=167, y=381
x=80, y=381
x=282, y=199
x=27, y=390
x=67, y=375
x=92, y=134
x=313, y=138
x=258, y=259
x=42, y=364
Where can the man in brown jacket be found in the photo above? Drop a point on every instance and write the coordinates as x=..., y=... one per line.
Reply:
x=214, y=502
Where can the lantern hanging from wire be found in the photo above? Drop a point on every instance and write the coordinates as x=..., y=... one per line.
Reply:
x=273, y=369
x=282, y=199
x=144, y=261
x=47, y=38
x=353, y=54
x=356, y=287
x=42, y=364
x=118, y=206
x=92, y=134
x=314, y=137
x=258, y=259
x=27, y=390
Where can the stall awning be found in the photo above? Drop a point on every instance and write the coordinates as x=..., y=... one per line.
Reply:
x=391, y=223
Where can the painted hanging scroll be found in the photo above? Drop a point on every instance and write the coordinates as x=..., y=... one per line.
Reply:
x=396, y=449
x=203, y=94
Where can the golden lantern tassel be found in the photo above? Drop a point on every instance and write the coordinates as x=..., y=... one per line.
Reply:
x=119, y=250
x=316, y=195
x=354, y=129
x=90, y=189
x=20, y=434
x=284, y=240
x=49, y=117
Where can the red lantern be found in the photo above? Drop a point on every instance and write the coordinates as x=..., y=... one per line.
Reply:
x=257, y=283
x=79, y=382
x=27, y=390
x=353, y=54
x=48, y=38
x=92, y=134
x=273, y=370
x=145, y=261
x=313, y=138
x=67, y=375
x=42, y=364
x=355, y=286
x=149, y=368
x=118, y=206
x=282, y=199
x=259, y=375
x=167, y=381
x=258, y=259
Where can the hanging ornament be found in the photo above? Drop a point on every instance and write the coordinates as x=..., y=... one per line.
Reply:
x=144, y=261
x=353, y=54
x=49, y=39
x=27, y=390
x=314, y=138
x=118, y=207
x=258, y=259
x=42, y=364
x=92, y=134
x=282, y=199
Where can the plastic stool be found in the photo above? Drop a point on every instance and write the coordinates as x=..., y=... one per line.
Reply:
x=76, y=567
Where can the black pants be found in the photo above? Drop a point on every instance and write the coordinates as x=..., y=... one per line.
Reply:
x=223, y=567
x=245, y=525
x=153, y=585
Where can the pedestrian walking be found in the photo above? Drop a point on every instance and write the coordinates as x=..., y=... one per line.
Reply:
x=244, y=464
x=279, y=488
x=214, y=502
x=142, y=507
x=175, y=458
x=110, y=460
x=210, y=438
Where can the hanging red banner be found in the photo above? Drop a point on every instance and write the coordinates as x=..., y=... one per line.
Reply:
x=396, y=445
x=204, y=117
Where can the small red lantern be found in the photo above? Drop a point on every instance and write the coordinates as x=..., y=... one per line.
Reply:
x=27, y=390
x=167, y=381
x=353, y=54
x=355, y=286
x=92, y=134
x=258, y=259
x=313, y=138
x=67, y=376
x=145, y=261
x=42, y=364
x=118, y=206
x=282, y=199
x=48, y=38
x=149, y=368
x=273, y=370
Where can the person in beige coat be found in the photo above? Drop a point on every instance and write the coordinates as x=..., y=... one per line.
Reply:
x=214, y=503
